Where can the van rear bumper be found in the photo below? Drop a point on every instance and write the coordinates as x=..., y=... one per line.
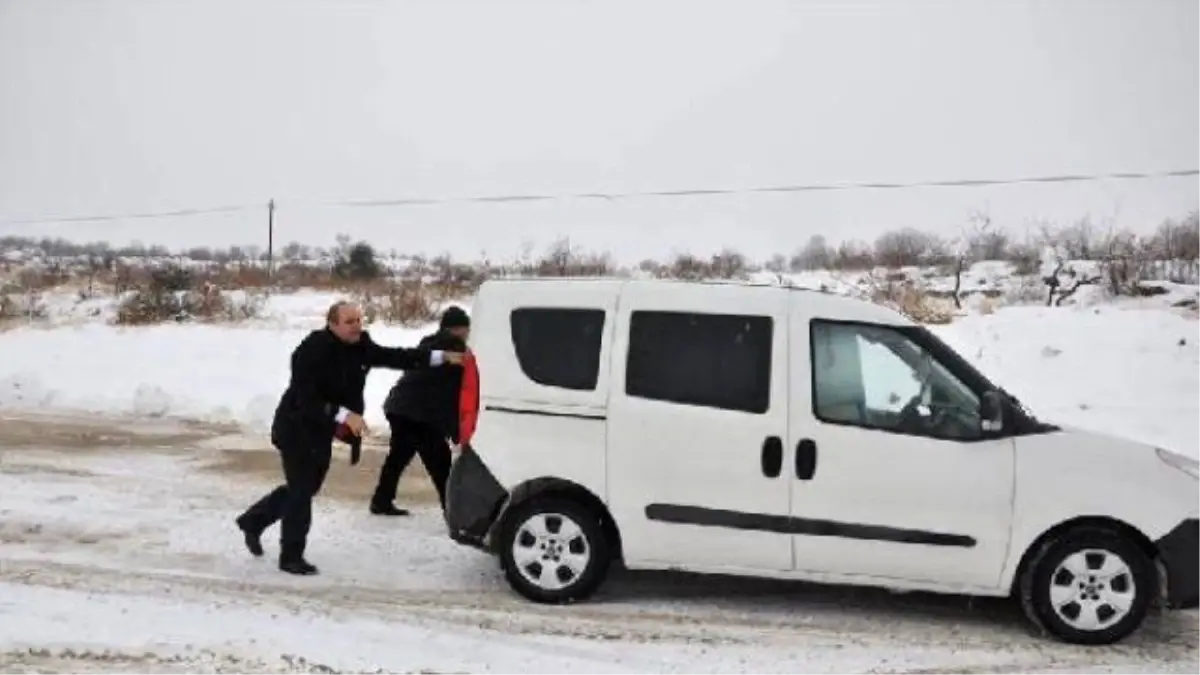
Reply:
x=473, y=500
x=1179, y=551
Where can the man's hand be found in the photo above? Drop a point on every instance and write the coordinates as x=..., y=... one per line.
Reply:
x=452, y=358
x=356, y=424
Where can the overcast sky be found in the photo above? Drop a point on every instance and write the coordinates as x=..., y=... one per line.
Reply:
x=112, y=106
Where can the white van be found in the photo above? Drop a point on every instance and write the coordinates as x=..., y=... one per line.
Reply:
x=766, y=431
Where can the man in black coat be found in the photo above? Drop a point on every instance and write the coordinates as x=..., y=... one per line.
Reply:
x=329, y=371
x=422, y=411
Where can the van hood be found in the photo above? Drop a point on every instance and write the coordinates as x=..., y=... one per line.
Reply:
x=1108, y=441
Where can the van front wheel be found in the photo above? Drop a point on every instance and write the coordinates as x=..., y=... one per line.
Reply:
x=1090, y=586
x=554, y=550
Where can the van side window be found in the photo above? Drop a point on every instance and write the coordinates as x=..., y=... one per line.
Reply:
x=713, y=360
x=877, y=377
x=558, y=346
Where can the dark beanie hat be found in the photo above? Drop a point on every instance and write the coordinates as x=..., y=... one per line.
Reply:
x=455, y=317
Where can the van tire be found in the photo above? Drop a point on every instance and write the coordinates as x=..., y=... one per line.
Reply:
x=573, y=564
x=1047, y=580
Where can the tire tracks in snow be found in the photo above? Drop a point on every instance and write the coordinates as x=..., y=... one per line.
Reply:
x=1165, y=638
x=75, y=662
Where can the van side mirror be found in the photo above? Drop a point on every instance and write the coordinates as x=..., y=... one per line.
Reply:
x=991, y=412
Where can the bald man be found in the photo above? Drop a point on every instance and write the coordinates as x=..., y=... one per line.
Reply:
x=329, y=371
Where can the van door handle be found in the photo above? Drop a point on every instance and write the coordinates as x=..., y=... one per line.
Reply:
x=806, y=458
x=772, y=457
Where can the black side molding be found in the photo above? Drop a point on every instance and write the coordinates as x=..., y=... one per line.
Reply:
x=545, y=413
x=698, y=515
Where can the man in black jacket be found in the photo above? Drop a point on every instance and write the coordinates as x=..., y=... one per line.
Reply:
x=329, y=371
x=422, y=411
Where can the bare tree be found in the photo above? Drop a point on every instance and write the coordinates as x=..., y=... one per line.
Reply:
x=815, y=255
x=853, y=255
x=908, y=247
x=978, y=240
x=728, y=264
x=778, y=264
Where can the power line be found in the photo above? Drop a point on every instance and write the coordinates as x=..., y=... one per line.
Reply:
x=179, y=213
x=616, y=196
x=812, y=187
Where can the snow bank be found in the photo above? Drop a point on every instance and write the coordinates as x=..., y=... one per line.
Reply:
x=210, y=373
x=1127, y=371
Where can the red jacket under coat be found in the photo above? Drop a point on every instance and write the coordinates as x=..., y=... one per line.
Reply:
x=468, y=400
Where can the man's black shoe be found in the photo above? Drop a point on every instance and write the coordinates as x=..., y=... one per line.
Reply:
x=387, y=510
x=253, y=537
x=298, y=566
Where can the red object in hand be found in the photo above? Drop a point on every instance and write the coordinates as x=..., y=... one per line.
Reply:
x=343, y=433
x=468, y=400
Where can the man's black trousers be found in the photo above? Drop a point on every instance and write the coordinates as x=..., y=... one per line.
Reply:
x=305, y=464
x=412, y=438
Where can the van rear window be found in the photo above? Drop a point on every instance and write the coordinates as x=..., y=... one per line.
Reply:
x=710, y=360
x=559, y=346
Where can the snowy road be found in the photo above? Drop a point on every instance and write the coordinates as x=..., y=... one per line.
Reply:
x=118, y=553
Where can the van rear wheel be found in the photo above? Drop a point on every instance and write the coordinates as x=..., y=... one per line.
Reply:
x=554, y=550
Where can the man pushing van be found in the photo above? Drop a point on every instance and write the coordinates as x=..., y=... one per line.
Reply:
x=324, y=397
x=423, y=412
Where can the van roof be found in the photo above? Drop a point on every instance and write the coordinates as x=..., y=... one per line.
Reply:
x=843, y=306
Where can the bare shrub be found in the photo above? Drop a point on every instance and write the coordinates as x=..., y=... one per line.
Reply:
x=1123, y=263
x=210, y=303
x=355, y=262
x=1076, y=241
x=777, y=264
x=407, y=303
x=687, y=267
x=169, y=296
x=250, y=305
x=241, y=275
x=17, y=305
x=915, y=303
x=728, y=264
x=1028, y=289
x=297, y=275
x=1025, y=258
x=148, y=306
x=907, y=298
x=451, y=280
x=652, y=268
x=986, y=242
x=910, y=247
x=563, y=260
x=41, y=277
x=853, y=255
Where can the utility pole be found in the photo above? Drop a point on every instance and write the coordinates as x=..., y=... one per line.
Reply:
x=270, y=240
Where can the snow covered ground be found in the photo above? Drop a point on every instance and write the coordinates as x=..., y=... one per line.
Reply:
x=117, y=553
x=117, y=550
